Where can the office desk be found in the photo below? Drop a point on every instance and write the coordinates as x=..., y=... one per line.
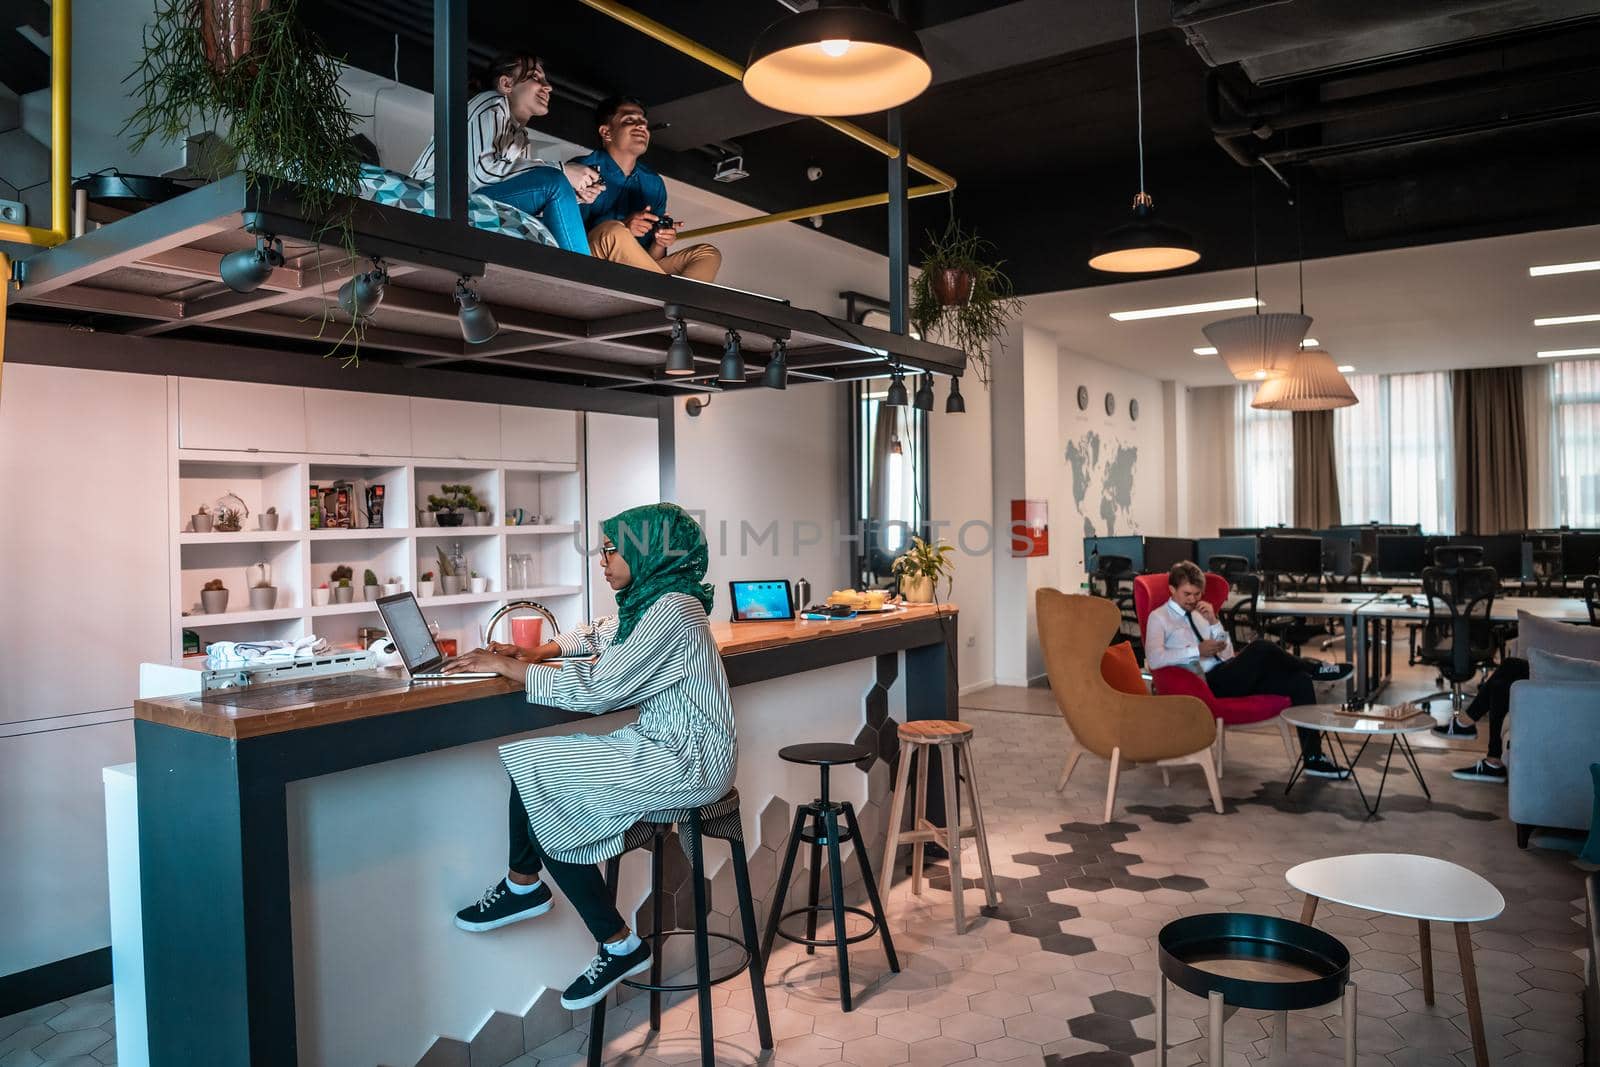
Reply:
x=1341, y=606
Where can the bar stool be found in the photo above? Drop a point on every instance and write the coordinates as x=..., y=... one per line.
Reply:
x=825, y=815
x=920, y=739
x=719, y=820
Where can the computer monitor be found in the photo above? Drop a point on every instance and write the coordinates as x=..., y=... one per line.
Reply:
x=1131, y=548
x=1241, y=531
x=1160, y=553
x=1404, y=555
x=1503, y=552
x=1338, y=555
x=1292, y=554
x=1580, y=554
x=1206, y=547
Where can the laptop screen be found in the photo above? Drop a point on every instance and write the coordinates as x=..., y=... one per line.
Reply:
x=409, y=631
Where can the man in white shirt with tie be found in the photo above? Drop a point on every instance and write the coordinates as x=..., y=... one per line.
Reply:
x=1184, y=632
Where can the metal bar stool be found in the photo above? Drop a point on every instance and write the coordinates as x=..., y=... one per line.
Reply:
x=920, y=739
x=718, y=820
x=825, y=831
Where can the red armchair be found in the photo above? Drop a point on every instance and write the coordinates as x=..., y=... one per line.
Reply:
x=1150, y=591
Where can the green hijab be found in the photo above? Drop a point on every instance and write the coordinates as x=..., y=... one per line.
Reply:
x=665, y=550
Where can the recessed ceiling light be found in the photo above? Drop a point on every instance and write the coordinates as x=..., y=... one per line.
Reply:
x=1210, y=350
x=1563, y=268
x=1566, y=320
x=1345, y=368
x=1186, y=309
x=1563, y=352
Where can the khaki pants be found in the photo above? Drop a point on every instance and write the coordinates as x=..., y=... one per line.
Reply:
x=611, y=240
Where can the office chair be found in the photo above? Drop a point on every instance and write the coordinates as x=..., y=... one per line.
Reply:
x=1230, y=567
x=1239, y=608
x=1548, y=569
x=1591, y=595
x=1112, y=579
x=1458, y=637
x=1450, y=558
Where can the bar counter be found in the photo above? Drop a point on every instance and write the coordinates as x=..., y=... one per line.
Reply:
x=298, y=866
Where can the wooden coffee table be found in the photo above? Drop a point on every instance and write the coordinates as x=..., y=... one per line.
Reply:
x=1331, y=721
x=1412, y=887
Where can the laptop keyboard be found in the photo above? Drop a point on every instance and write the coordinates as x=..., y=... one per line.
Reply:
x=289, y=694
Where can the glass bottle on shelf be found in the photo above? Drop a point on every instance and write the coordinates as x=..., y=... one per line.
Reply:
x=516, y=575
x=458, y=563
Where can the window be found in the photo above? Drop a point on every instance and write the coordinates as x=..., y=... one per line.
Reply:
x=1263, y=463
x=1393, y=451
x=1575, y=441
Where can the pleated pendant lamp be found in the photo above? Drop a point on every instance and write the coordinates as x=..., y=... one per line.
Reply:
x=1312, y=383
x=1258, y=347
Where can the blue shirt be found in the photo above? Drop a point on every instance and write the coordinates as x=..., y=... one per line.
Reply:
x=624, y=193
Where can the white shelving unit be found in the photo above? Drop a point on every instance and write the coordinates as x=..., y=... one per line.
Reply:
x=301, y=558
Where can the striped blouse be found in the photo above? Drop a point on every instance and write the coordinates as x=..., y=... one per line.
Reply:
x=497, y=147
x=583, y=791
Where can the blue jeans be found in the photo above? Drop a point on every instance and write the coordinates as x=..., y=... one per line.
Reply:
x=545, y=193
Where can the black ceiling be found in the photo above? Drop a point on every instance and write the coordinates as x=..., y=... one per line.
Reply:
x=1032, y=110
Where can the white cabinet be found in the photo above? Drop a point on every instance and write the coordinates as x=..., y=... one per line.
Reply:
x=538, y=434
x=241, y=416
x=454, y=429
x=357, y=424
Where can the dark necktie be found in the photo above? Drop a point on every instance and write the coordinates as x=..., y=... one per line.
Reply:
x=1198, y=636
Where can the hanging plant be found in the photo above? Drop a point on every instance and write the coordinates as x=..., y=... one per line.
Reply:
x=963, y=294
x=252, y=71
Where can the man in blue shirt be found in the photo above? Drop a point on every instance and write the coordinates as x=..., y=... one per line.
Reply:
x=627, y=220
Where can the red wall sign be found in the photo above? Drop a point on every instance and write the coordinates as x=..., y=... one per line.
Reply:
x=1030, y=528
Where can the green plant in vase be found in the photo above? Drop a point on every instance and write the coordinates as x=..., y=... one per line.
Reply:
x=452, y=503
x=963, y=294
x=449, y=580
x=921, y=566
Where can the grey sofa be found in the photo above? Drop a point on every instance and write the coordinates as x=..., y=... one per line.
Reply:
x=1555, y=735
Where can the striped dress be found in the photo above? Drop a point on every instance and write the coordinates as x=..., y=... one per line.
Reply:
x=583, y=791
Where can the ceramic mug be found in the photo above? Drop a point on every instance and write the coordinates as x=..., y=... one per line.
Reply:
x=527, y=631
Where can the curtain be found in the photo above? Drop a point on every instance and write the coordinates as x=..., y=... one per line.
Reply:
x=1575, y=437
x=1316, y=476
x=1393, y=451
x=1263, y=463
x=1537, y=419
x=1491, y=445
x=890, y=492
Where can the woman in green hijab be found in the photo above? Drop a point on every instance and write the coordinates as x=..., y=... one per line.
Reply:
x=574, y=796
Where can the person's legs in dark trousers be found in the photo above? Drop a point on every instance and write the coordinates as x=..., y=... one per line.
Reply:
x=1263, y=667
x=1493, y=700
x=582, y=883
x=545, y=193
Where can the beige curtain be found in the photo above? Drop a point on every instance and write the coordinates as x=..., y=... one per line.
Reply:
x=1491, y=446
x=1316, y=479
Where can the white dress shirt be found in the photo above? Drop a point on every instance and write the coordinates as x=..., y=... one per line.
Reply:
x=1170, y=639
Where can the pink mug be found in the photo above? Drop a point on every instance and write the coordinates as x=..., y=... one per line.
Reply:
x=527, y=631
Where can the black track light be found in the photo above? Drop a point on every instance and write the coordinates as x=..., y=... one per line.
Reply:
x=361, y=295
x=247, y=270
x=955, y=405
x=680, y=357
x=924, y=397
x=776, y=376
x=896, y=396
x=477, y=321
x=732, y=369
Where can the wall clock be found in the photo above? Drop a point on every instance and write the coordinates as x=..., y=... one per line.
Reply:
x=1133, y=410
x=1111, y=404
x=1083, y=398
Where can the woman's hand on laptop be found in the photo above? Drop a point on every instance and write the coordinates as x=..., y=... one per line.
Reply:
x=483, y=660
x=548, y=650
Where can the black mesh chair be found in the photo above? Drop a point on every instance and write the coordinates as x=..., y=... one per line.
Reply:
x=1112, y=578
x=1458, y=637
x=1591, y=594
x=1239, y=612
x=1547, y=569
x=1449, y=558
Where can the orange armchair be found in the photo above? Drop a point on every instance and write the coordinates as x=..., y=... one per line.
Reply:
x=1120, y=727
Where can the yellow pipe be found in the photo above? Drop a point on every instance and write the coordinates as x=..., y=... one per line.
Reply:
x=60, y=140
x=831, y=208
x=717, y=61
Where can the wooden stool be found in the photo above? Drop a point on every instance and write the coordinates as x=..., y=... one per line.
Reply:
x=922, y=737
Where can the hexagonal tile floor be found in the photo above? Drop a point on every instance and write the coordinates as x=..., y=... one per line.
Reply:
x=1063, y=972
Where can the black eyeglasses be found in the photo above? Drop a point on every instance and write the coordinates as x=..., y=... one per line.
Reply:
x=606, y=552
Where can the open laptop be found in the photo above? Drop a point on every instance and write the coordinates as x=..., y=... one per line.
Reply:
x=402, y=617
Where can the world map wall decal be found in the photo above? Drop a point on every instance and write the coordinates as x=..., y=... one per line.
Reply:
x=1102, y=483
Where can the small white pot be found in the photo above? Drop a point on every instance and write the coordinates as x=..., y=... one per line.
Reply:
x=319, y=597
x=215, y=601
x=371, y=592
x=451, y=584
x=479, y=585
x=917, y=590
x=427, y=518
x=425, y=589
x=202, y=523
x=391, y=588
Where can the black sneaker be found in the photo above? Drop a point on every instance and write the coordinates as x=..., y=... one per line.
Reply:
x=1455, y=729
x=1482, y=771
x=499, y=906
x=1331, y=672
x=1320, y=766
x=602, y=975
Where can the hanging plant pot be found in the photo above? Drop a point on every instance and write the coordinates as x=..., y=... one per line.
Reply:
x=227, y=29
x=952, y=286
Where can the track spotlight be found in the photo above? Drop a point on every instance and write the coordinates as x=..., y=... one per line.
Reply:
x=361, y=295
x=477, y=321
x=680, y=357
x=776, y=376
x=924, y=397
x=896, y=396
x=732, y=369
x=955, y=405
x=247, y=270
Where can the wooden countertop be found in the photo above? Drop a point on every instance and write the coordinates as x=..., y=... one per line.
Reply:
x=225, y=720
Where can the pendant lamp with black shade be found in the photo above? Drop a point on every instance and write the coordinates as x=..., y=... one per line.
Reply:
x=838, y=58
x=924, y=396
x=955, y=404
x=1144, y=244
x=680, y=356
x=776, y=373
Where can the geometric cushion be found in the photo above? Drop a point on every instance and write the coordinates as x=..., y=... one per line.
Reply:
x=1562, y=638
x=398, y=190
x=1120, y=669
x=1544, y=666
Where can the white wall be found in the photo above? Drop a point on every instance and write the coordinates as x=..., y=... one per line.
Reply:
x=961, y=493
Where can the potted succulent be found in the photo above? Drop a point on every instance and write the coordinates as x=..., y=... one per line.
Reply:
x=263, y=595
x=320, y=595
x=214, y=597
x=479, y=585
x=268, y=519
x=449, y=580
x=202, y=519
x=920, y=567
x=425, y=584
x=392, y=586
x=370, y=589
x=343, y=592
x=963, y=294
x=454, y=505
